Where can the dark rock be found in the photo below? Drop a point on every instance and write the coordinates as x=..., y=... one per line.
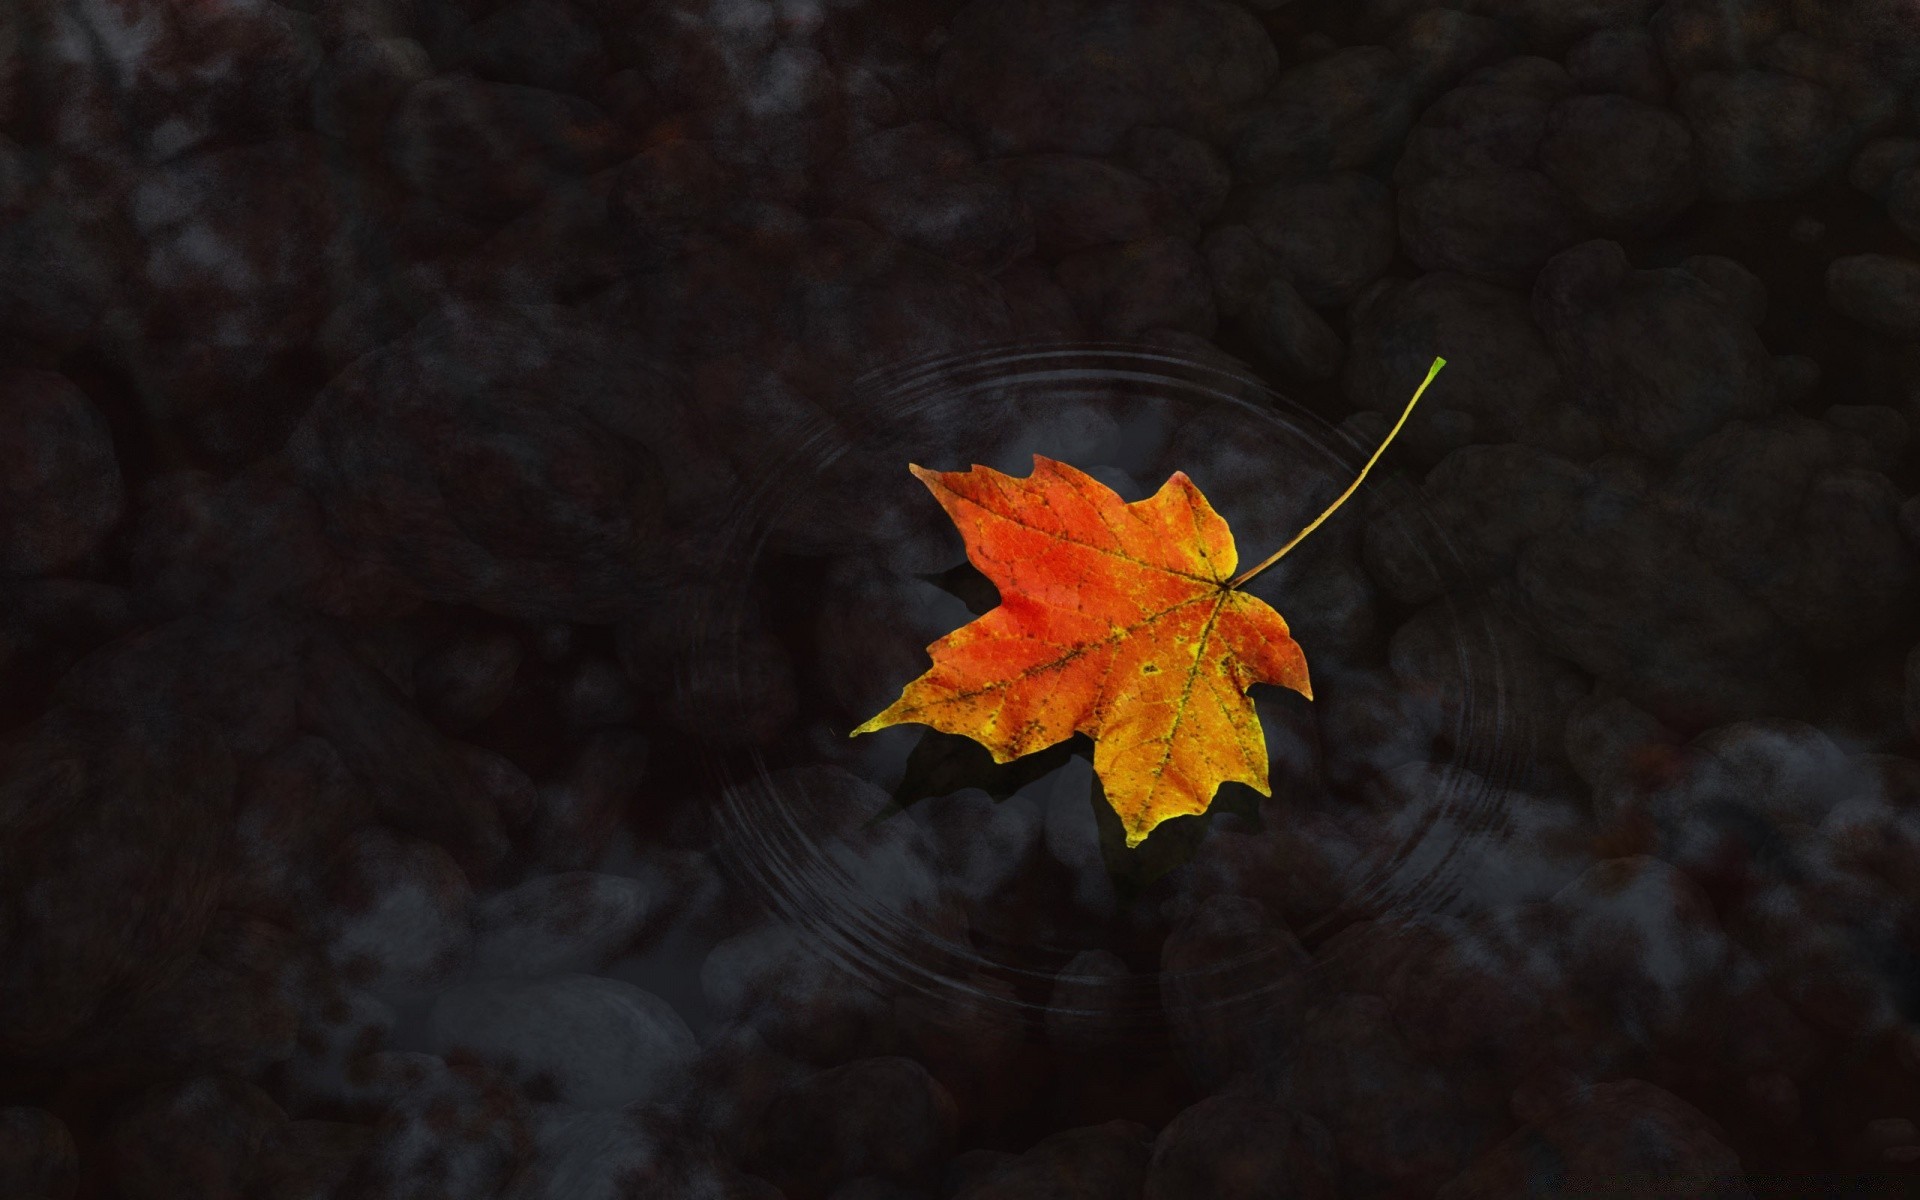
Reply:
x=418, y=780
x=233, y=1009
x=1002, y=75
x=1660, y=358
x=55, y=274
x=1332, y=234
x=1442, y=44
x=453, y=1130
x=799, y=1001
x=37, y=1155
x=1288, y=333
x=1499, y=367
x=1240, y=266
x=1240, y=1147
x=361, y=81
x=1877, y=290
x=1762, y=135
x=973, y=218
x=446, y=456
x=1882, y=161
x=462, y=682
x=1698, y=35
x=861, y=301
x=1185, y=169
x=1528, y=73
x=1673, y=1149
x=1394, y=1117
x=1741, y=287
x=1040, y=308
x=1097, y=1162
x=916, y=148
x=398, y=922
x=1501, y=225
x=1779, y=509
x=578, y=1039
x=311, y=1158
x=230, y=235
x=492, y=150
x=1912, y=705
x=1626, y=165
x=1617, y=575
x=541, y=43
x=1125, y=290
x=661, y=196
x=1602, y=927
x=1336, y=113
x=1474, y=128
x=1487, y=502
x=1077, y=203
x=1625, y=61
x=112, y=823
x=62, y=483
x=198, y=1138
x=1903, y=202
x=575, y=921
x=877, y=1116
x=1233, y=983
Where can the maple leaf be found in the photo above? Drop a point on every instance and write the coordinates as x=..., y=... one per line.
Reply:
x=1122, y=621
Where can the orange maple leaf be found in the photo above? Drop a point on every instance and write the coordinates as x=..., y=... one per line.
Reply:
x=1122, y=621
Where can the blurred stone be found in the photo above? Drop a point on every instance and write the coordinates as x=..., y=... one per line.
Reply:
x=541, y=43
x=1625, y=165
x=1659, y=357
x=1698, y=35
x=1080, y=202
x=1001, y=76
x=1616, y=575
x=1240, y=266
x=491, y=150
x=1234, y=985
x=1741, y=287
x=1332, y=235
x=799, y=1000
x=1499, y=367
x=876, y=1116
x=62, y=489
x=1288, y=333
x=1673, y=1150
x=1877, y=290
x=361, y=81
x=1394, y=1117
x=196, y=1138
x=1336, y=113
x=1185, y=169
x=462, y=682
x=399, y=923
x=578, y=1039
x=1882, y=161
x=972, y=218
x=1240, y=1147
x=454, y=1130
x=1501, y=225
x=37, y=1155
x=1442, y=44
x=494, y=458
x=1487, y=502
x=1098, y=1162
x=1762, y=135
x=1621, y=60
x=111, y=821
x=576, y=921
x=1124, y=290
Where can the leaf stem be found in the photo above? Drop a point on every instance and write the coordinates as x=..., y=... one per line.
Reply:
x=1353, y=487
